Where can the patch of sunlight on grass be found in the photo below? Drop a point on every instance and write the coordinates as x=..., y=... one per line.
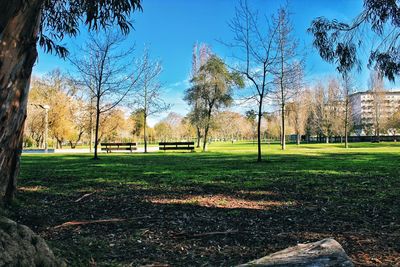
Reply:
x=37, y=188
x=222, y=201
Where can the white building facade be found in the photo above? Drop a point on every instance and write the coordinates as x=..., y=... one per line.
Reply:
x=369, y=107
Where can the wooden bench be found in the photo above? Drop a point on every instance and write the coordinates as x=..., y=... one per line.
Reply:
x=176, y=146
x=108, y=147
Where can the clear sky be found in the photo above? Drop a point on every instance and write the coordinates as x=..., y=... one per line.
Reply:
x=170, y=28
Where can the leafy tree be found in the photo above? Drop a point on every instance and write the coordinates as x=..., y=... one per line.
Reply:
x=339, y=42
x=56, y=91
x=214, y=85
x=23, y=25
x=197, y=115
x=393, y=124
x=137, y=120
x=251, y=116
x=163, y=131
x=112, y=126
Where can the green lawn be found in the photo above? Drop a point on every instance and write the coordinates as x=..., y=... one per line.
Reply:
x=303, y=194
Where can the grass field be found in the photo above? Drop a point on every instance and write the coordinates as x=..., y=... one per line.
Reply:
x=173, y=203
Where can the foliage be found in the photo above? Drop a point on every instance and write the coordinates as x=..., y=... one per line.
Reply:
x=339, y=42
x=61, y=18
x=213, y=88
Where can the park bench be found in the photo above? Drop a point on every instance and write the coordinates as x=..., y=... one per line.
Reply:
x=176, y=146
x=108, y=147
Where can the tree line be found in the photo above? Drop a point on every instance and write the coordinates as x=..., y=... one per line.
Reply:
x=266, y=58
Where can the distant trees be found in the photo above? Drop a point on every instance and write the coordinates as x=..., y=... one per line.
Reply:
x=64, y=116
x=213, y=88
x=113, y=126
x=231, y=126
x=321, y=113
x=393, y=124
x=298, y=111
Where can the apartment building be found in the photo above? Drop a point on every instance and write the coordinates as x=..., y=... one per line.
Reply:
x=367, y=106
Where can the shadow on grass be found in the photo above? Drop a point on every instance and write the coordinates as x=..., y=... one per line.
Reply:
x=285, y=200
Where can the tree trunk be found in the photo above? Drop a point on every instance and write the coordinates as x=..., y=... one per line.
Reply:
x=206, y=129
x=59, y=142
x=205, y=138
x=283, y=140
x=259, y=131
x=91, y=126
x=298, y=138
x=145, y=133
x=198, y=136
x=96, y=132
x=19, y=24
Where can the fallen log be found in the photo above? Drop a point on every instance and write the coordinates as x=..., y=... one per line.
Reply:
x=325, y=253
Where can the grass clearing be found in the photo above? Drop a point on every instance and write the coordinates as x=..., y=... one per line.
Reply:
x=303, y=194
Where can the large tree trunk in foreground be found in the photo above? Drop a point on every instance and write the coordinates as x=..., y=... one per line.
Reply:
x=19, y=24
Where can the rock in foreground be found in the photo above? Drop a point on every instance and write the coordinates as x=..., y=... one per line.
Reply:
x=19, y=246
x=324, y=253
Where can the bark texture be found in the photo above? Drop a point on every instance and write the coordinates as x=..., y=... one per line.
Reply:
x=324, y=253
x=21, y=247
x=18, y=35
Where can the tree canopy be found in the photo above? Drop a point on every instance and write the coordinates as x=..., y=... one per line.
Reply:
x=339, y=42
x=62, y=18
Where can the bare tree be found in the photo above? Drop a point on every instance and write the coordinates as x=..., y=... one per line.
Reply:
x=347, y=90
x=288, y=69
x=147, y=94
x=298, y=110
x=257, y=56
x=108, y=73
x=321, y=112
x=376, y=87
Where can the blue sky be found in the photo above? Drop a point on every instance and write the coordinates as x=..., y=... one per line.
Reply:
x=170, y=28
